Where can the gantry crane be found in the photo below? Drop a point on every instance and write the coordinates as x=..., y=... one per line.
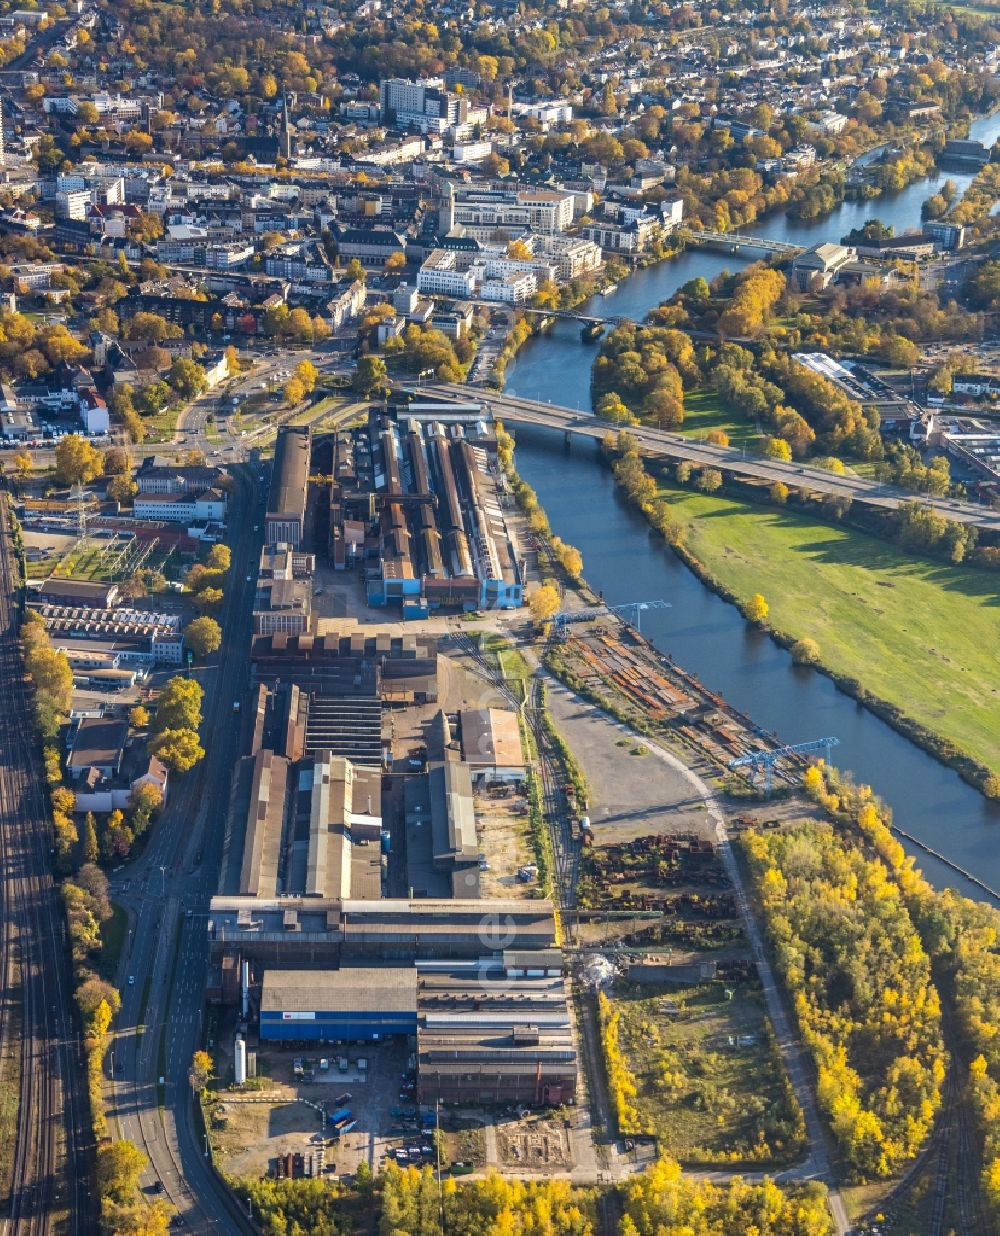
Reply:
x=767, y=759
x=630, y=612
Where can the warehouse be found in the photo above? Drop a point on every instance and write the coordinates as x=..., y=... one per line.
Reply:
x=286, y=499
x=357, y=1003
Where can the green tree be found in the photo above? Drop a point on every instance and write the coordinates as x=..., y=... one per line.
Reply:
x=187, y=377
x=90, y=851
x=371, y=379
x=203, y=636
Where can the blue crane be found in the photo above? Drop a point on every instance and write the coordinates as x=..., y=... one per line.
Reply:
x=630, y=612
x=767, y=759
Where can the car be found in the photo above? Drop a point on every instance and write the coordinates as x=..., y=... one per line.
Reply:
x=131, y=980
x=249, y=578
x=236, y=705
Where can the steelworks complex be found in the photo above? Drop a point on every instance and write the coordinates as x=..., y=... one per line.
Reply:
x=350, y=895
x=415, y=504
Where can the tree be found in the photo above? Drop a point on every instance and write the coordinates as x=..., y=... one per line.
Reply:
x=899, y=352
x=90, y=850
x=119, y=1166
x=23, y=463
x=121, y=489
x=543, y=603
x=395, y=261
x=294, y=392
x=117, y=462
x=179, y=705
x=219, y=558
x=138, y=717
x=307, y=374
x=187, y=378
x=203, y=636
x=77, y=460
x=779, y=493
x=805, y=652
x=355, y=271
x=147, y=798
x=179, y=749
x=991, y=786
x=709, y=480
x=371, y=378
x=200, y=1073
x=208, y=599
x=568, y=557
x=778, y=448
x=757, y=609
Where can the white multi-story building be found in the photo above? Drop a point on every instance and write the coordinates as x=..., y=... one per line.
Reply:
x=544, y=211
x=438, y=276
x=72, y=203
x=207, y=507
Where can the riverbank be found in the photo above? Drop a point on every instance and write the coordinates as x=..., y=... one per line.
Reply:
x=916, y=642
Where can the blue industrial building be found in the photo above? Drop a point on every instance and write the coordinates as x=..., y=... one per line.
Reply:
x=354, y=1003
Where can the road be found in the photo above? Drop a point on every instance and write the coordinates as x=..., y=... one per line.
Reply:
x=703, y=454
x=51, y=1144
x=166, y=892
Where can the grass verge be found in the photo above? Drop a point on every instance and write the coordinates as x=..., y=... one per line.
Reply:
x=113, y=933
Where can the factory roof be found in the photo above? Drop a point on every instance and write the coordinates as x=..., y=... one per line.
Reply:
x=290, y=476
x=491, y=736
x=352, y=989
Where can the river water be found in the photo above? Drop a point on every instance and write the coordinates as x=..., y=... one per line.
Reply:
x=705, y=634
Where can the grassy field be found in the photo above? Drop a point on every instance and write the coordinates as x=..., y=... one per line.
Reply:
x=704, y=410
x=709, y=1082
x=922, y=635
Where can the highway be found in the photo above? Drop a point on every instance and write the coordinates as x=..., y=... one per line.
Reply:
x=166, y=892
x=660, y=442
x=40, y=1050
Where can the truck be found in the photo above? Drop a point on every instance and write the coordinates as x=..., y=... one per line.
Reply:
x=342, y=1113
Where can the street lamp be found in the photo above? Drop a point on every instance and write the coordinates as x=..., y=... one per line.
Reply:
x=163, y=881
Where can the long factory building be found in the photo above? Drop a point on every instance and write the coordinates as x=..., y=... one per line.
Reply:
x=415, y=503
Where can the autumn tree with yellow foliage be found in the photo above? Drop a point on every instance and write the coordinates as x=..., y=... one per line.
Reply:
x=859, y=979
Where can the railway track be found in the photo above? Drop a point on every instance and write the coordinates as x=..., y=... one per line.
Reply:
x=48, y=1192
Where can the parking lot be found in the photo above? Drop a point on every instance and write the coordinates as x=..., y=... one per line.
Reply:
x=300, y=1117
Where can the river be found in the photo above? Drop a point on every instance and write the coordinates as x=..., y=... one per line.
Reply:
x=704, y=633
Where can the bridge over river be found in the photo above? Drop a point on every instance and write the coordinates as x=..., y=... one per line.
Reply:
x=661, y=443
